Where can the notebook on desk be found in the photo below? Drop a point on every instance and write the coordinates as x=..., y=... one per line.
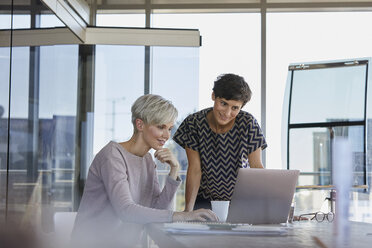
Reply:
x=262, y=196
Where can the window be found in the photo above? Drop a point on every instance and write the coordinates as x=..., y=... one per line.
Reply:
x=5, y=61
x=19, y=21
x=230, y=44
x=50, y=21
x=303, y=37
x=175, y=75
x=121, y=20
x=119, y=81
x=326, y=101
x=42, y=127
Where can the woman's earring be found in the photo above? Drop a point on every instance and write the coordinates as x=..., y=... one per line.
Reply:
x=140, y=124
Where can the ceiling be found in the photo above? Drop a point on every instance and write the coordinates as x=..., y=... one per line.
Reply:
x=130, y=6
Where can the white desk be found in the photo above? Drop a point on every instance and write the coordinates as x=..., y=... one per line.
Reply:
x=300, y=234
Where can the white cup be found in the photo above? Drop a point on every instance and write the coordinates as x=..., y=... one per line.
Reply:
x=221, y=209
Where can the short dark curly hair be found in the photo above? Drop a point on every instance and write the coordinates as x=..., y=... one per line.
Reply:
x=232, y=87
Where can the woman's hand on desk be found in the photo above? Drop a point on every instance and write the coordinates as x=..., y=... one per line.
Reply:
x=196, y=215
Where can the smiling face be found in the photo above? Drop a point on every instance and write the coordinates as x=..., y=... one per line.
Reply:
x=225, y=111
x=155, y=136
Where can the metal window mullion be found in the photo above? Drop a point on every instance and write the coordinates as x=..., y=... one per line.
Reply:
x=289, y=117
x=326, y=124
x=301, y=67
x=365, y=126
x=147, y=61
x=9, y=115
x=263, y=74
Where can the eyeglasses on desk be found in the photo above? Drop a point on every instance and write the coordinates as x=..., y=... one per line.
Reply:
x=318, y=216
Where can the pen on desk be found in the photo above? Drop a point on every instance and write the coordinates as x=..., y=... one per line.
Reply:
x=319, y=242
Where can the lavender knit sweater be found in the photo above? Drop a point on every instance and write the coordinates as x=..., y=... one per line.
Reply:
x=121, y=193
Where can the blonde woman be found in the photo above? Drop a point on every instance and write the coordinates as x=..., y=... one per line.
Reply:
x=122, y=190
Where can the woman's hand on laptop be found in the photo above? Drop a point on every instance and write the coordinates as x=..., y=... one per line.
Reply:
x=196, y=215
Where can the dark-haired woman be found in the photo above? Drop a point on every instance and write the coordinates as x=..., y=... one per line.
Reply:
x=218, y=141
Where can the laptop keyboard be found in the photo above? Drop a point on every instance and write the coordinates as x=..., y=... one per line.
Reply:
x=194, y=227
x=213, y=224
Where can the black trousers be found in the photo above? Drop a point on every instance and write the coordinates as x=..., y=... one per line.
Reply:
x=201, y=202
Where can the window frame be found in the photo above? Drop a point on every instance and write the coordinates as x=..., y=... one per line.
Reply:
x=288, y=126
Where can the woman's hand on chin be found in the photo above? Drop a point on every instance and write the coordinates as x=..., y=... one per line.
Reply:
x=164, y=155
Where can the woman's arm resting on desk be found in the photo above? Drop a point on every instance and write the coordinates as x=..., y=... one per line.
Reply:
x=192, y=178
x=254, y=159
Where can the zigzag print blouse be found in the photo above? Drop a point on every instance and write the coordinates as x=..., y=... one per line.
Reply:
x=221, y=155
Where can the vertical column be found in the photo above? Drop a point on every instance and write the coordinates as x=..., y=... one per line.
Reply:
x=85, y=111
x=33, y=107
x=84, y=118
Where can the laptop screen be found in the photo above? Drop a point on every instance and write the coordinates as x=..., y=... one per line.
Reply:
x=262, y=196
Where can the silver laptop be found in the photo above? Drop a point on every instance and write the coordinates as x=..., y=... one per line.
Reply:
x=262, y=196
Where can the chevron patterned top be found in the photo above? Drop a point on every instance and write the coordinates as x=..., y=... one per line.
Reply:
x=221, y=155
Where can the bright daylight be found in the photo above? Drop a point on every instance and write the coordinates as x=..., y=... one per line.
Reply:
x=163, y=123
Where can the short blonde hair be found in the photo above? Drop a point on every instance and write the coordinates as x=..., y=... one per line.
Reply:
x=153, y=110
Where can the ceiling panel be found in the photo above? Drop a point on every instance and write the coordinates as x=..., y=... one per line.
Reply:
x=318, y=1
x=203, y=1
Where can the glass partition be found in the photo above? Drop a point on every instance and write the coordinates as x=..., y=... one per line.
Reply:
x=328, y=94
x=42, y=131
x=5, y=54
x=20, y=172
x=311, y=149
x=57, y=120
x=326, y=101
x=119, y=81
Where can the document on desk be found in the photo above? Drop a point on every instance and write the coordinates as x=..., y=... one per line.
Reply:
x=224, y=228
